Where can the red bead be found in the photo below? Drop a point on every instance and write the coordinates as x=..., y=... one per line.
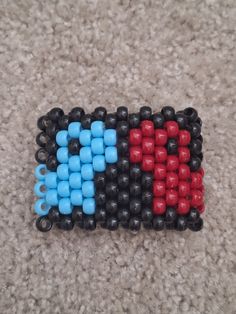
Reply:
x=183, y=206
x=201, y=171
x=135, y=137
x=184, y=188
x=159, y=171
x=196, y=198
x=147, y=128
x=184, y=138
x=148, y=146
x=184, y=172
x=184, y=154
x=160, y=154
x=148, y=163
x=172, y=163
x=172, y=129
x=160, y=137
x=159, y=188
x=201, y=208
x=171, y=197
x=159, y=206
x=172, y=180
x=196, y=180
x=135, y=154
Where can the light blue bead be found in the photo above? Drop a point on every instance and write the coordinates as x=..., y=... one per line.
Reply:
x=76, y=197
x=41, y=208
x=110, y=137
x=86, y=155
x=40, y=172
x=87, y=172
x=85, y=137
x=99, y=163
x=74, y=163
x=97, y=146
x=75, y=180
x=74, y=129
x=63, y=155
x=52, y=197
x=51, y=180
x=63, y=172
x=38, y=189
x=88, y=189
x=65, y=207
x=97, y=129
x=63, y=189
x=111, y=155
x=62, y=138
x=89, y=206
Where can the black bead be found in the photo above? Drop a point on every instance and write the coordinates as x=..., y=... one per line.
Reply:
x=181, y=223
x=74, y=146
x=191, y=114
x=65, y=223
x=41, y=156
x=100, y=214
x=112, y=223
x=77, y=214
x=195, y=130
x=147, y=197
x=158, y=223
x=43, y=224
x=172, y=146
x=64, y=122
x=123, y=214
x=44, y=122
x=200, y=156
x=135, y=172
x=199, y=121
x=195, y=163
x=54, y=214
x=145, y=113
x=86, y=121
x=134, y=223
x=123, y=198
x=100, y=180
x=168, y=113
x=158, y=120
x=76, y=114
x=123, y=181
x=110, y=121
x=123, y=164
x=52, y=130
x=100, y=198
x=135, y=189
x=170, y=215
x=52, y=163
x=89, y=223
x=197, y=226
x=51, y=147
x=134, y=120
x=181, y=119
x=123, y=147
x=147, y=181
x=41, y=139
x=111, y=190
x=135, y=206
x=193, y=215
x=111, y=172
x=200, y=138
x=147, y=214
x=111, y=206
x=55, y=114
x=100, y=113
x=122, y=113
x=122, y=128
x=195, y=147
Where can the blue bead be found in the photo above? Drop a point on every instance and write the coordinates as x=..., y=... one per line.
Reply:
x=74, y=129
x=62, y=138
x=75, y=180
x=89, y=206
x=97, y=128
x=65, y=207
x=51, y=180
x=52, y=197
x=41, y=208
x=87, y=172
x=110, y=137
x=63, y=155
x=40, y=172
x=88, y=189
x=99, y=163
x=85, y=137
x=86, y=155
x=74, y=163
x=63, y=189
x=38, y=189
x=63, y=172
x=76, y=197
x=111, y=155
x=97, y=146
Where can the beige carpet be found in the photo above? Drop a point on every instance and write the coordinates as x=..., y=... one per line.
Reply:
x=110, y=53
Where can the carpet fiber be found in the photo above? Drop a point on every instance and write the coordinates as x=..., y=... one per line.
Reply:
x=110, y=53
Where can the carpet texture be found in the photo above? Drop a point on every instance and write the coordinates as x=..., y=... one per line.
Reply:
x=110, y=53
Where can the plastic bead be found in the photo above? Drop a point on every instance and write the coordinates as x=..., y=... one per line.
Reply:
x=111, y=206
x=181, y=224
x=196, y=226
x=145, y=113
x=134, y=223
x=195, y=146
x=52, y=130
x=97, y=129
x=122, y=128
x=158, y=223
x=55, y=114
x=89, y=206
x=111, y=190
x=76, y=197
x=86, y=121
x=160, y=154
x=100, y=113
x=86, y=156
x=194, y=163
x=172, y=146
x=111, y=172
x=159, y=206
x=184, y=154
x=123, y=214
x=89, y=223
x=110, y=138
x=193, y=215
x=195, y=130
x=123, y=164
x=74, y=146
x=63, y=155
x=74, y=163
x=147, y=214
x=122, y=113
x=88, y=189
x=123, y=181
x=87, y=172
x=43, y=122
x=147, y=181
x=184, y=189
x=181, y=119
x=99, y=163
x=76, y=114
x=191, y=114
x=85, y=137
x=52, y=197
x=168, y=113
x=41, y=156
x=43, y=224
x=63, y=122
x=41, y=208
x=123, y=147
x=184, y=138
x=135, y=206
x=100, y=180
x=77, y=214
x=172, y=129
x=65, y=222
x=148, y=146
x=160, y=137
x=38, y=189
x=62, y=138
x=147, y=128
x=134, y=120
x=40, y=172
x=196, y=198
x=135, y=137
x=100, y=198
x=75, y=180
x=159, y=188
x=183, y=206
x=136, y=154
x=65, y=207
x=170, y=215
x=196, y=180
x=184, y=172
x=171, y=197
x=74, y=129
x=135, y=172
x=63, y=188
x=51, y=163
x=123, y=198
x=112, y=223
x=135, y=189
x=42, y=138
x=172, y=180
x=51, y=147
x=158, y=120
x=146, y=197
x=97, y=146
x=51, y=180
x=148, y=163
x=110, y=121
x=172, y=163
x=53, y=214
x=159, y=171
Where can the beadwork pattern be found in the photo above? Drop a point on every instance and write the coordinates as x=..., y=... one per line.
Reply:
x=120, y=169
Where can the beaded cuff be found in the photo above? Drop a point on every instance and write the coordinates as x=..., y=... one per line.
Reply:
x=119, y=169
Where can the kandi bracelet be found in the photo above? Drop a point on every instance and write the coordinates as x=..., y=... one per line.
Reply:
x=119, y=169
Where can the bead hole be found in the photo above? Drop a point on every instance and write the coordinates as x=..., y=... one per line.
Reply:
x=43, y=206
x=43, y=171
x=45, y=223
x=43, y=188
